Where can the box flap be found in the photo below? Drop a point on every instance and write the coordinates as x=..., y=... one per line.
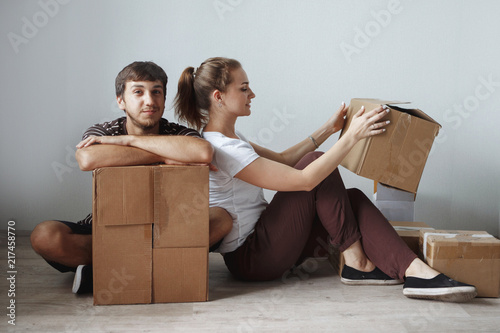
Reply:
x=374, y=102
x=123, y=195
x=181, y=206
x=415, y=112
x=377, y=101
x=394, y=105
x=185, y=269
x=122, y=261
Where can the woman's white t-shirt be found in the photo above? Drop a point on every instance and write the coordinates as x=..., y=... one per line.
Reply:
x=243, y=201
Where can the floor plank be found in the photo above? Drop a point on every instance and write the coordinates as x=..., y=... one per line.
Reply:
x=312, y=300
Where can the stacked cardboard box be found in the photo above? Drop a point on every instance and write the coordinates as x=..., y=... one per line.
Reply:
x=398, y=156
x=468, y=256
x=150, y=234
x=396, y=205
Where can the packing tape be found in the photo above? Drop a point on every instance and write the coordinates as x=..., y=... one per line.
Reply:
x=402, y=228
x=446, y=235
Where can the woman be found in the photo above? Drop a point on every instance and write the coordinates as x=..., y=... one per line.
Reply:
x=268, y=239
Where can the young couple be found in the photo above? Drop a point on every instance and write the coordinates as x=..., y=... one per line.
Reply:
x=264, y=240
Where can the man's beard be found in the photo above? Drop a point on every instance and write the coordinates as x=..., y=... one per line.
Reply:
x=145, y=126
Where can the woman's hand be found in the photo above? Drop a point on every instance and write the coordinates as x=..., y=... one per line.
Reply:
x=336, y=122
x=120, y=140
x=365, y=124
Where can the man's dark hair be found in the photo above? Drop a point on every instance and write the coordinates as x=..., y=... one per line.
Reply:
x=140, y=71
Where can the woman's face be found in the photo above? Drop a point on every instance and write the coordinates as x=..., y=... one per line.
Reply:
x=238, y=95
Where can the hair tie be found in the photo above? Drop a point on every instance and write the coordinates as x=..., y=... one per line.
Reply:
x=194, y=71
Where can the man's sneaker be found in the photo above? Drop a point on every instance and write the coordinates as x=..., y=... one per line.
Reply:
x=82, y=283
x=352, y=276
x=440, y=288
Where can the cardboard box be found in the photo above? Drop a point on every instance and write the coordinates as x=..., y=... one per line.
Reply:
x=396, y=205
x=150, y=234
x=410, y=233
x=388, y=193
x=471, y=257
x=397, y=210
x=398, y=156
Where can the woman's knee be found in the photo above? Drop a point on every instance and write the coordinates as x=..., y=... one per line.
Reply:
x=307, y=159
x=356, y=195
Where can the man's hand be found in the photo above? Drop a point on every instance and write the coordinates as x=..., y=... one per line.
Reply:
x=120, y=140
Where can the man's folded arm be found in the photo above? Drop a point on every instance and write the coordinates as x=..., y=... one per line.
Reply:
x=185, y=149
x=99, y=156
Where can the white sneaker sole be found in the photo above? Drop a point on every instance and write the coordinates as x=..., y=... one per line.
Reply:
x=450, y=294
x=78, y=279
x=372, y=282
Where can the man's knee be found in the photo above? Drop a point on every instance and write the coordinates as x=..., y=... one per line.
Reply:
x=221, y=224
x=47, y=236
x=220, y=219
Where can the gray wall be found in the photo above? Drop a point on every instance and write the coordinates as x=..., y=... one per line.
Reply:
x=303, y=58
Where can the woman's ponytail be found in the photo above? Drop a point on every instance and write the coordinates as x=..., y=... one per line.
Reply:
x=185, y=104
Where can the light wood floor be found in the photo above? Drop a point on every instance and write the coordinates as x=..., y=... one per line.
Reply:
x=312, y=301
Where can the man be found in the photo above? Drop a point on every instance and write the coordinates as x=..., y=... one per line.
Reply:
x=141, y=137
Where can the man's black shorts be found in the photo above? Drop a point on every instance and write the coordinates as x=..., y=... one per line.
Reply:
x=80, y=229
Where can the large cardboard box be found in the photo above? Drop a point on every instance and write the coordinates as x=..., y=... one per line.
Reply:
x=395, y=204
x=471, y=257
x=150, y=234
x=398, y=156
